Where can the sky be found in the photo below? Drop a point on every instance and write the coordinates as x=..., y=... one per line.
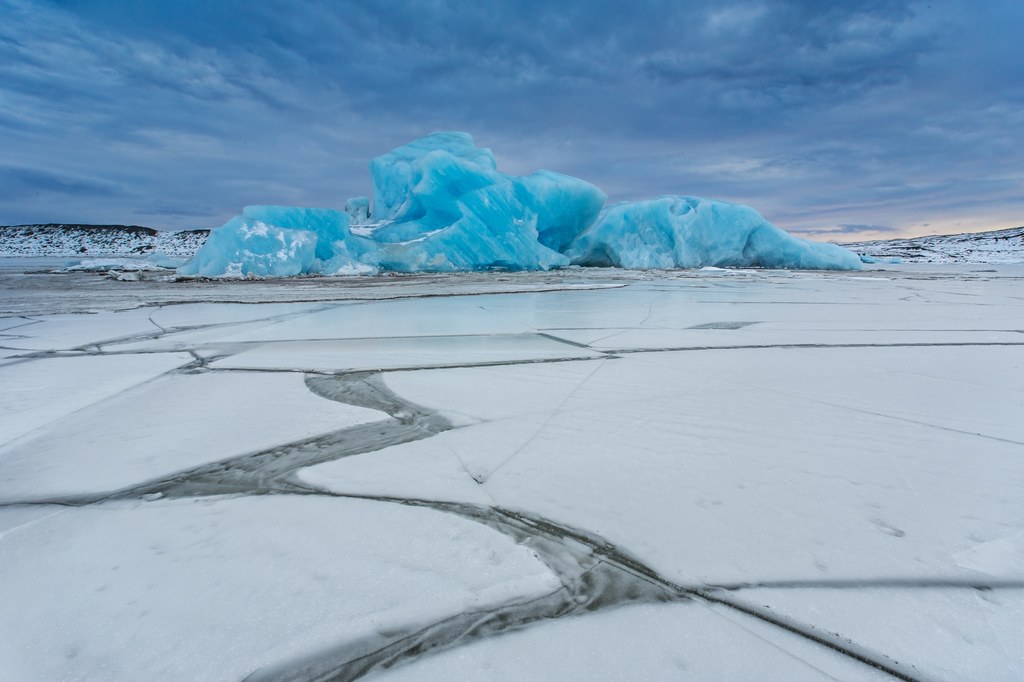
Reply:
x=837, y=121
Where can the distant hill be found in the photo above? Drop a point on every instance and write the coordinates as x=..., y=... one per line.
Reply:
x=999, y=246
x=97, y=240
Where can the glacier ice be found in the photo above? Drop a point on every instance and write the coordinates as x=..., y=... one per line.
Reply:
x=283, y=241
x=242, y=248
x=689, y=232
x=441, y=205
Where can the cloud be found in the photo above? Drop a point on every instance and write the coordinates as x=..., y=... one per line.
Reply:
x=856, y=113
x=867, y=228
x=169, y=209
x=18, y=182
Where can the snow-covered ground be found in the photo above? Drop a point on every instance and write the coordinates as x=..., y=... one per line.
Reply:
x=89, y=241
x=582, y=474
x=998, y=246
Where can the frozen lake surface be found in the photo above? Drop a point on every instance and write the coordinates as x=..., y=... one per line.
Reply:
x=578, y=474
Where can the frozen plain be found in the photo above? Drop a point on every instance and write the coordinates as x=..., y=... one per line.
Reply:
x=576, y=474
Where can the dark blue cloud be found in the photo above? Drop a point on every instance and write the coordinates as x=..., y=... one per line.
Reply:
x=16, y=182
x=818, y=114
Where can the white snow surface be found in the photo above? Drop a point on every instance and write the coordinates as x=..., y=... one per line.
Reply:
x=704, y=475
x=647, y=642
x=217, y=589
x=996, y=246
x=96, y=240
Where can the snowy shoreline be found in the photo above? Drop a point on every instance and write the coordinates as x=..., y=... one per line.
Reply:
x=996, y=246
x=123, y=241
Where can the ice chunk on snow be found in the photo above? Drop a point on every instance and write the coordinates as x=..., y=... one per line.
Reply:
x=326, y=224
x=283, y=241
x=242, y=247
x=689, y=232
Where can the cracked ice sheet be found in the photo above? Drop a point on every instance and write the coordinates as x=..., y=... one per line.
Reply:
x=440, y=316
x=444, y=316
x=207, y=314
x=668, y=453
x=385, y=353
x=818, y=304
x=453, y=315
x=970, y=634
x=766, y=335
x=203, y=326
x=645, y=642
x=685, y=461
x=675, y=304
x=37, y=392
x=9, y=356
x=215, y=589
x=165, y=426
x=9, y=324
x=63, y=332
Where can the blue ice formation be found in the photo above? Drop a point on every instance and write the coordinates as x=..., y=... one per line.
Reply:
x=441, y=205
x=283, y=241
x=689, y=232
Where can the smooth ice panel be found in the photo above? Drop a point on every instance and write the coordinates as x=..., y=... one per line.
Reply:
x=390, y=353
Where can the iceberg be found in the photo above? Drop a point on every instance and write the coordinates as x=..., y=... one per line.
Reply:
x=440, y=204
x=283, y=241
x=690, y=232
